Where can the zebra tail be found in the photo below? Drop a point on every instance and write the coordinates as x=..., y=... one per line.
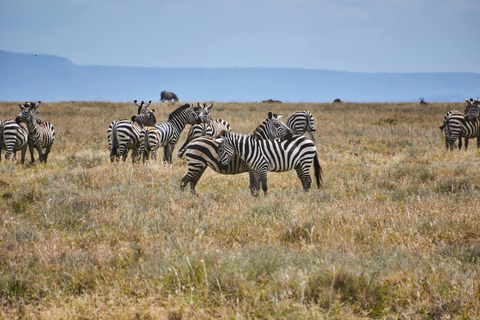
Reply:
x=114, y=140
x=318, y=171
x=448, y=132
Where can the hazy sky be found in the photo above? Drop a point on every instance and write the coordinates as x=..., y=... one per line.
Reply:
x=349, y=35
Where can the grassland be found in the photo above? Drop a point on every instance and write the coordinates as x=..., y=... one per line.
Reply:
x=393, y=233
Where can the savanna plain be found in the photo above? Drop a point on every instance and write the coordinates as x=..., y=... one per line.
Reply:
x=394, y=232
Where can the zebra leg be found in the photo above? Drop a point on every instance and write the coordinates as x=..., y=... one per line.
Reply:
x=24, y=152
x=31, y=149
x=254, y=183
x=192, y=177
x=45, y=155
x=154, y=154
x=466, y=142
x=165, y=154
x=135, y=155
x=263, y=179
x=304, y=176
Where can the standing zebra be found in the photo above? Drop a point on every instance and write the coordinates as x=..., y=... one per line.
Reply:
x=203, y=152
x=272, y=155
x=13, y=137
x=301, y=122
x=459, y=125
x=208, y=127
x=166, y=134
x=40, y=134
x=124, y=135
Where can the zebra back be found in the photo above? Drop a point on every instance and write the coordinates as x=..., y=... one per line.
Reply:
x=301, y=122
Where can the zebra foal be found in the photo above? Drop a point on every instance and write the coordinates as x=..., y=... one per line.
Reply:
x=272, y=155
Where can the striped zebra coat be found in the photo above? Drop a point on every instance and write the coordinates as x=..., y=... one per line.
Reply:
x=165, y=134
x=13, y=137
x=210, y=129
x=40, y=134
x=301, y=122
x=272, y=155
x=203, y=152
x=124, y=135
x=466, y=125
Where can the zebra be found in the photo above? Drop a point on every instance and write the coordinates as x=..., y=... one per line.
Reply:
x=13, y=137
x=123, y=135
x=300, y=122
x=168, y=96
x=271, y=155
x=460, y=125
x=208, y=127
x=142, y=106
x=203, y=152
x=166, y=133
x=40, y=134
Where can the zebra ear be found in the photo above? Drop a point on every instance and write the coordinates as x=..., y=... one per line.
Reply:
x=210, y=107
x=270, y=115
x=218, y=140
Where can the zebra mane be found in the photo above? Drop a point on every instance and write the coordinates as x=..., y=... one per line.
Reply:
x=177, y=111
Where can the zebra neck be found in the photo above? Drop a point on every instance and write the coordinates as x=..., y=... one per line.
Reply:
x=32, y=127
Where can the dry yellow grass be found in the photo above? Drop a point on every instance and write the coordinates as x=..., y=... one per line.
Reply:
x=394, y=232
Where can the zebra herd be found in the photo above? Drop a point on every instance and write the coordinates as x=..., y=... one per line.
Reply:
x=26, y=130
x=273, y=146
x=144, y=136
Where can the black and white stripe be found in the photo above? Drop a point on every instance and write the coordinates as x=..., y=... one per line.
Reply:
x=272, y=155
x=203, y=152
x=466, y=125
x=166, y=133
x=40, y=134
x=13, y=137
x=124, y=135
x=301, y=122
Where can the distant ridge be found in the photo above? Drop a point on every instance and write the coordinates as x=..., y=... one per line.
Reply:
x=51, y=78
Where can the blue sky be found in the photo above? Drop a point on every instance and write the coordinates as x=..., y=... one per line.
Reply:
x=359, y=36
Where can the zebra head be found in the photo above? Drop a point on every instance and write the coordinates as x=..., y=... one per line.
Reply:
x=192, y=114
x=226, y=149
x=204, y=112
x=28, y=113
x=142, y=106
x=472, y=110
x=272, y=128
x=145, y=119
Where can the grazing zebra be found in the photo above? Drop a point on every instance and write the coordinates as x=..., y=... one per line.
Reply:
x=203, y=152
x=271, y=155
x=459, y=125
x=301, y=122
x=168, y=96
x=166, y=134
x=40, y=134
x=13, y=137
x=124, y=135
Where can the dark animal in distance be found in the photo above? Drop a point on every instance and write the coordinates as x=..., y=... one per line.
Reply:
x=271, y=101
x=423, y=102
x=337, y=101
x=168, y=96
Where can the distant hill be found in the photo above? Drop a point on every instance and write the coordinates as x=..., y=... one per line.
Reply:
x=50, y=78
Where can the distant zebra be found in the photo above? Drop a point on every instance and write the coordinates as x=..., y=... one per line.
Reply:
x=13, y=137
x=203, y=152
x=40, y=134
x=208, y=127
x=124, y=135
x=166, y=134
x=301, y=122
x=168, y=96
x=272, y=155
x=459, y=125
